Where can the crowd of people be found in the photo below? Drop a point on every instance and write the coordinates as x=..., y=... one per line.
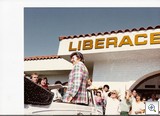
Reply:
x=110, y=102
x=107, y=100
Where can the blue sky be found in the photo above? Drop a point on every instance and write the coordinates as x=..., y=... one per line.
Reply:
x=43, y=26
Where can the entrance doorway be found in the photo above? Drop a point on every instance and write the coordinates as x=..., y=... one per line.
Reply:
x=148, y=84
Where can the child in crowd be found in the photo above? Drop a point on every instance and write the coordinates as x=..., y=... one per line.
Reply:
x=98, y=99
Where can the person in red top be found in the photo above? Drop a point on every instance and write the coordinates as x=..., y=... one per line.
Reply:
x=43, y=82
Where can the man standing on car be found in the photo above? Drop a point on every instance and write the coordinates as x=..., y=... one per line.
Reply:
x=76, y=91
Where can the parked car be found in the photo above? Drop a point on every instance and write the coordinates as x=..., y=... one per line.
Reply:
x=39, y=101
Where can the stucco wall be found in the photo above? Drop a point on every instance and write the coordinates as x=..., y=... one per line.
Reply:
x=47, y=65
x=120, y=74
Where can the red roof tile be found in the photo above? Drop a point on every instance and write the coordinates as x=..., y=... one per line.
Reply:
x=112, y=32
x=119, y=31
x=134, y=29
x=41, y=57
x=93, y=34
x=100, y=33
x=142, y=28
x=127, y=30
x=157, y=27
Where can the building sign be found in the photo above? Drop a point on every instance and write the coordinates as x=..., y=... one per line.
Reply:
x=102, y=43
x=113, y=42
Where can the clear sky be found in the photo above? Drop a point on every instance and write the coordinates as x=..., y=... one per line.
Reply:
x=43, y=26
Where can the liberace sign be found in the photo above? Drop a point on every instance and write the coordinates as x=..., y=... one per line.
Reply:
x=101, y=43
x=113, y=42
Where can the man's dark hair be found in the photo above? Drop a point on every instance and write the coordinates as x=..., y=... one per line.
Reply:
x=79, y=55
x=106, y=86
x=58, y=82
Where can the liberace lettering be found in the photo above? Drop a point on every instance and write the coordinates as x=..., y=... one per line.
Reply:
x=102, y=43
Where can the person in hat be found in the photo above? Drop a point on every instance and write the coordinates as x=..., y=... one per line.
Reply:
x=77, y=83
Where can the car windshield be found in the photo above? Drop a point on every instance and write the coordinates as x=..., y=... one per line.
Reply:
x=35, y=94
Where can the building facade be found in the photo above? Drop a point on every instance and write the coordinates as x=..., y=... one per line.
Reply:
x=128, y=59
x=123, y=59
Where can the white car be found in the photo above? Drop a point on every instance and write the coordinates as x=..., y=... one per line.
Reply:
x=38, y=101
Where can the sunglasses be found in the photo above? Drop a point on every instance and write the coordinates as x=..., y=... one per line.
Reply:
x=113, y=93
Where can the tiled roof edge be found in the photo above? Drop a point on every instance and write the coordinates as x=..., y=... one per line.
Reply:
x=103, y=33
x=41, y=57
